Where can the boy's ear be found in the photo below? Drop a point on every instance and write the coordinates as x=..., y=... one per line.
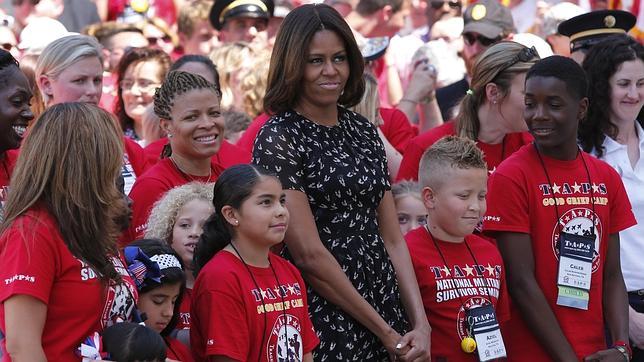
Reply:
x=429, y=197
x=492, y=93
x=230, y=214
x=583, y=109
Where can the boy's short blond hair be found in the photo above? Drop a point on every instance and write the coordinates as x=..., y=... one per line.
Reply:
x=191, y=14
x=451, y=152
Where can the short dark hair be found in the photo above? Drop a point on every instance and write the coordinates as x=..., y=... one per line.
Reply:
x=132, y=56
x=564, y=69
x=601, y=63
x=197, y=58
x=368, y=7
x=6, y=61
x=290, y=55
x=133, y=342
x=170, y=275
x=232, y=188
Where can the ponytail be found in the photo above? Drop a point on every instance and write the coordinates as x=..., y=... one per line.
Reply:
x=214, y=238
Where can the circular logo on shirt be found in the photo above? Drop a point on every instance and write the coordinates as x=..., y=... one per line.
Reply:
x=285, y=340
x=579, y=221
x=461, y=325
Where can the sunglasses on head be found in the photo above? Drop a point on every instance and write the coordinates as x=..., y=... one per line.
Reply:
x=471, y=38
x=439, y=4
x=524, y=56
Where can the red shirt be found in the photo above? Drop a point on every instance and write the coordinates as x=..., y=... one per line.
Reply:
x=177, y=351
x=228, y=317
x=36, y=262
x=519, y=200
x=184, y=310
x=228, y=154
x=494, y=154
x=149, y=189
x=7, y=163
x=440, y=281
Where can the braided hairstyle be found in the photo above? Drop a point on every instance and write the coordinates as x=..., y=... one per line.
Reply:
x=176, y=83
x=232, y=188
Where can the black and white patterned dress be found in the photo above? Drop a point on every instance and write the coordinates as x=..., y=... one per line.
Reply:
x=343, y=171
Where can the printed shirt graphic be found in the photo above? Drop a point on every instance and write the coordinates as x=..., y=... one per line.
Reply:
x=36, y=262
x=449, y=289
x=228, y=317
x=521, y=200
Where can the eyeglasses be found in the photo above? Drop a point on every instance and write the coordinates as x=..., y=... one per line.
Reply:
x=144, y=85
x=155, y=39
x=471, y=38
x=439, y=4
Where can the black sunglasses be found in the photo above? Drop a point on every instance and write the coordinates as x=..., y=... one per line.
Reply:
x=471, y=38
x=439, y=4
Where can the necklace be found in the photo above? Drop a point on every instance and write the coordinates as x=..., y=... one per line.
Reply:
x=186, y=175
x=261, y=347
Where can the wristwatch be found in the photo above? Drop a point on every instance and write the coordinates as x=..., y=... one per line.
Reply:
x=623, y=350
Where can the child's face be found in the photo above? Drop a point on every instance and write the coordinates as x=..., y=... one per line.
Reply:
x=457, y=206
x=158, y=305
x=552, y=114
x=262, y=218
x=411, y=213
x=188, y=227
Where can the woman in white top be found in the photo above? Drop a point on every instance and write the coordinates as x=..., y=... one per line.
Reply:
x=613, y=132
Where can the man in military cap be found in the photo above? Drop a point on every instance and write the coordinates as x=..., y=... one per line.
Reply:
x=241, y=20
x=588, y=29
x=485, y=23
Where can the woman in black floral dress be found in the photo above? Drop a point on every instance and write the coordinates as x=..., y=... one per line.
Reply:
x=343, y=234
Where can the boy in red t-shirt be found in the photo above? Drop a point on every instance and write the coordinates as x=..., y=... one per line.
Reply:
x=555, y=212
x=459, y=274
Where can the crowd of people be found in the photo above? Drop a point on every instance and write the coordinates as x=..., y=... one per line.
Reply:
x=369, y=180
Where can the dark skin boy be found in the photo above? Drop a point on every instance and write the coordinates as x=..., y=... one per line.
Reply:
x=552, y=113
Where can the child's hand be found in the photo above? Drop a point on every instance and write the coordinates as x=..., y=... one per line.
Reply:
x=611, y=354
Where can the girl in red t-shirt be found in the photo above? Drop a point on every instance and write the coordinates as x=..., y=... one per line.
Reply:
x=161, y=282
x=244, y=294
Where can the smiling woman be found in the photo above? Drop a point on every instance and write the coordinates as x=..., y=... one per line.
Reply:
x=189, y=109
x=364, y=299
x=15, y=113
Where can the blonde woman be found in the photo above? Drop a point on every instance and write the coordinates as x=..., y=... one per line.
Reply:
x=491, y=113
x=63, y=277
x=231, y=60
x=70, y=70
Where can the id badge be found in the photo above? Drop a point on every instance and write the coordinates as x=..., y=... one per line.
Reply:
x=486, y=332
x=575, y=270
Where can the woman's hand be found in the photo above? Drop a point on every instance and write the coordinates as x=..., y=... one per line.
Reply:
x=391, y=340
x=415, y=345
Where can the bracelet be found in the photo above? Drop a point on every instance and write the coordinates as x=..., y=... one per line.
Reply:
x=408, y=100
x=624, y=348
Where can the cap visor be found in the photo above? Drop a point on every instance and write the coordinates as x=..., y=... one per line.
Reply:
x=487, y=30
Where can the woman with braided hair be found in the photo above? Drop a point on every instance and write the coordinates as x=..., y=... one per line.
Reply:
x=188, y=106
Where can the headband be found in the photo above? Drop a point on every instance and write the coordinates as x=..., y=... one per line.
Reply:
x=147, y=270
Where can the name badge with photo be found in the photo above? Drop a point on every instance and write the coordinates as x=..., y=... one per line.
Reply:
x=487, y=334
x=575, y=270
